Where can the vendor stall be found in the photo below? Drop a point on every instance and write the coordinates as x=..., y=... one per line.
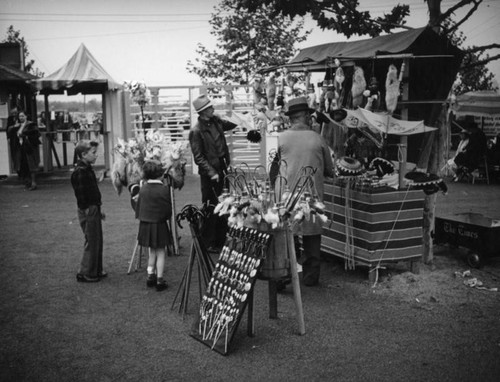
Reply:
x=392, y=89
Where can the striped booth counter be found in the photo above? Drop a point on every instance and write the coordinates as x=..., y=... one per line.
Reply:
x=373, y=227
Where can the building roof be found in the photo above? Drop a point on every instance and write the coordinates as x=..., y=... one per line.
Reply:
x=8, y=73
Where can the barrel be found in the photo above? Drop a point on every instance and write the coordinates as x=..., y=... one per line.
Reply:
x=276, y=264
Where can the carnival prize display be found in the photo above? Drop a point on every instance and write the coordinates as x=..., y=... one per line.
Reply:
x=230, y=287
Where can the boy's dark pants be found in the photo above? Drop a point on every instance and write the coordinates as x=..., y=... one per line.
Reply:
x=91, y=224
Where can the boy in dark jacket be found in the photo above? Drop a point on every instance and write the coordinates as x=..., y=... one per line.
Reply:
x=88, y=198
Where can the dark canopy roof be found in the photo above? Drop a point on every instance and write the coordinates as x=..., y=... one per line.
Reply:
x=414, y=43
x=14, y=78
x=81, y=74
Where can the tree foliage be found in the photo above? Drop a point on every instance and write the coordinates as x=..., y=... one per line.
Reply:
x=246, y=41
x=341, y=16
x=15, y=36
x=344, y=17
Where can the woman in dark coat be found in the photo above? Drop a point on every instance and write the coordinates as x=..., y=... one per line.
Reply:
x=24, y=139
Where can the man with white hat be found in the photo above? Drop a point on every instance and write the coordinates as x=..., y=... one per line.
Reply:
x=300, y=147
x=211, y=155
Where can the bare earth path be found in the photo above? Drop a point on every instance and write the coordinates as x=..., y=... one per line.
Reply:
x=425, y=327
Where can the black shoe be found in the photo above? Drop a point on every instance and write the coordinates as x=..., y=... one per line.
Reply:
x=86, y=279
x=161, y=285
x=214, y=249
x=310, y=283
x=281, y=284
x=151, y=280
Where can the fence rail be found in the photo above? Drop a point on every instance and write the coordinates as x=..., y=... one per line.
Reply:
x=171, y=112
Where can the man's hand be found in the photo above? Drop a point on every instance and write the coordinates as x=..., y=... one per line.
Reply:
x=215, y=178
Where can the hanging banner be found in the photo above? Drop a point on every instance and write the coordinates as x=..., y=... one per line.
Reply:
x=385, y=123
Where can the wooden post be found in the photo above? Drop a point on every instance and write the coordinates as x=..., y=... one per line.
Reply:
x=105, y=138
x=403, y=139
x=437, y=155
x=295, y=282
x=154, y=98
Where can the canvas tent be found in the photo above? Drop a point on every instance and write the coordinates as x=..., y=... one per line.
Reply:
x=83, y=74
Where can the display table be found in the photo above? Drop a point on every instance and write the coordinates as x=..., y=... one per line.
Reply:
x=373, y=227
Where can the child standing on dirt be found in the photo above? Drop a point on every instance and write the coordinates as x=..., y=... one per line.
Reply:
x=153, y=209
x=88, y=198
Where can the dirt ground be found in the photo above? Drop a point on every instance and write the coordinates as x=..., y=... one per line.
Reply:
x=408, y=327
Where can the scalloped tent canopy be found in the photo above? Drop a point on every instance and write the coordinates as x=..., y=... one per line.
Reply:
x=81, y=74
x=484, y=103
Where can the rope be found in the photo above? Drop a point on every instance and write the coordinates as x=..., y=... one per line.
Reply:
x=349, y=235
x=377, y=267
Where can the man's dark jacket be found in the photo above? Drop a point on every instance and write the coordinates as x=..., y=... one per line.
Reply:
x=204, y=149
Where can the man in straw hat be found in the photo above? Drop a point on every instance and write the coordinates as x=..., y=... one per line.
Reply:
x=211, y=155
x=300, y=147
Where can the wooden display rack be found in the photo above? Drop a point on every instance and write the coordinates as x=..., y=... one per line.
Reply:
x=231, y=288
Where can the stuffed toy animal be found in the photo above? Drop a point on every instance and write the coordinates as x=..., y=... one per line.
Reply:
x=259, y=92
x=358, y=86
x=271, y=91
x=391, y=89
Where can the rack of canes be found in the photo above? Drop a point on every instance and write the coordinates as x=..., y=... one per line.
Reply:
x=198, y=257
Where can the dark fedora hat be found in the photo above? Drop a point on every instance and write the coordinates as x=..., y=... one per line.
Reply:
x=338, y=114
x=298, y=104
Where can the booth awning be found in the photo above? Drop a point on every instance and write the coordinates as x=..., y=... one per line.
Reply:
x=415, y=43
x=81, y=74
x=484, y=103
x=385, y=123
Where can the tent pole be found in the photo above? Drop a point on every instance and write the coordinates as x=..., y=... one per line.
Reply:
x=47, y=137
x=403, y=139
x=105, y=137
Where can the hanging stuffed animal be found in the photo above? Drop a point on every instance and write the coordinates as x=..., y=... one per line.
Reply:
x=372, y=95
x=280, y=99
x=391, y=89
x=339, y=77
x=271, y=91
x=311, y=97
x=259, y=93
x=358, y=86
x=331, y=97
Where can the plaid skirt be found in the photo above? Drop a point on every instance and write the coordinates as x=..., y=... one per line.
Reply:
x=153, y=235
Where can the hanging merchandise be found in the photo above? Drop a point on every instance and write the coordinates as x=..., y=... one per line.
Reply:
x=339, y=80
x=259, y=92
x=271, y=90
x=358, y=87
x=391, y=89
x=230, y=288
x=280, y=85
x=372, y=95
x=392, y=84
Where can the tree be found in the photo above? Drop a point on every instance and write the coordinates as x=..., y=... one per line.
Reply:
x=15, y=36
x=247, y=41
x=341, y=16
x=344, y=17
